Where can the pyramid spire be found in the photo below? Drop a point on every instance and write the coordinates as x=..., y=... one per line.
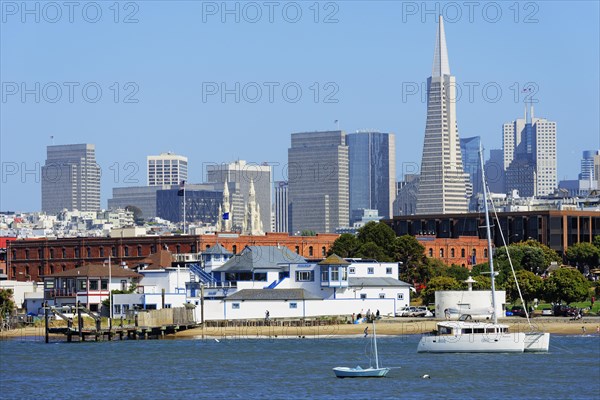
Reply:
x=441, y=65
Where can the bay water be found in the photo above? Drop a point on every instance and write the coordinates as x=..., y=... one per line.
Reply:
x=290, y=368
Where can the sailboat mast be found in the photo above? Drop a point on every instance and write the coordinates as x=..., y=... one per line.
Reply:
x=488, y=234
x=375, y=345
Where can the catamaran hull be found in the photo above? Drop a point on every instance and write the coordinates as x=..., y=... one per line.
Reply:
x=537, y=342
x=510, y=343
x=345, y=372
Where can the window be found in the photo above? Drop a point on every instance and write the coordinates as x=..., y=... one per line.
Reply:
x=153, y=249
x=167, y=306
x=126, y=251
x=63, y=253
x=139, y=251
x=388, y=270
x=400, y=296
x=123, y=284
x=324, y=274
x=94, y=285
x=114, y=251
x=335, y=274
x=77, y=252
x=323, y=251
x=40, y=270
x=370, y=270
x=351, y=270
x=233, y=249
x=430, y=252
x=474, y=253
x=382, y=295
x=51, y=269
x=452, y=252
x=293, y=305
x=178, y=248
x=462, y=252
x=51, y=253
x=363, y=295
x=304, y=276
x=235, y=306
x=310, y=251
x=27, y=254
x=117, y=309
x=297, y=249
x=101, y=251
x=81, y=284
x=125, y=308
x=442, y=253
x=89, y=252
x=485, y=253
x=104, y=284
x=40, y=254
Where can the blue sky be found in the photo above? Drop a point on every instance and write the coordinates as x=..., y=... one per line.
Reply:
x=171, y=60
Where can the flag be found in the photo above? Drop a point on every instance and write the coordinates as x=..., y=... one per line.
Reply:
x=226, y=215
x=181, y=188
x=335, y=122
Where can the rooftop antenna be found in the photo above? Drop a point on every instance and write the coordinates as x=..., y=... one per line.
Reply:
x=52, y=140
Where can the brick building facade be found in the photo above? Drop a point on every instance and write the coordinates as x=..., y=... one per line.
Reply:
x=465, y=251
x=33, y=258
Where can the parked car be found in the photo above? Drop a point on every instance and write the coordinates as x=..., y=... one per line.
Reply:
x=518, y=311
x=547, y=311
x=561, y=310
x=406, y=311
x=422, y=311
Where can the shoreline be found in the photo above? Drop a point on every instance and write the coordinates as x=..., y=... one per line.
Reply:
x=395, y=327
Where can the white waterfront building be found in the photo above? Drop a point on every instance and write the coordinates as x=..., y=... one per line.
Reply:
x=261, y=278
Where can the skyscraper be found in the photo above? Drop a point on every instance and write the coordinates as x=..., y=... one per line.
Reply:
x=494, y=171
x=167, y=169
x=318, y=181
x=71, y=179
x=281, y=206
x=372, y=166
x=587, y=165
x=530, y=155
x=242, y=173
x=442, y=186
x=469, y=149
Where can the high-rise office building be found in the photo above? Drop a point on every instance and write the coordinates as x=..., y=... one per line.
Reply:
x=442, y=186
x=70, y=179
x=167, y=169
x=281, y=206
x=494, y=171
x=587, y=165
x=530, y=155
x=241, y=173
x=469, y=149
x=372, y=166
x=318, y=181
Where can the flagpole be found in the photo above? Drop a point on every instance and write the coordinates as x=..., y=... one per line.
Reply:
x=184, y=207
x=110, y=312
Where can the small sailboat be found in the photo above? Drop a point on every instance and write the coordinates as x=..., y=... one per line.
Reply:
x=370, y=372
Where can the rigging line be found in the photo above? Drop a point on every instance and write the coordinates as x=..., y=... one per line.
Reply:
x=512, y=268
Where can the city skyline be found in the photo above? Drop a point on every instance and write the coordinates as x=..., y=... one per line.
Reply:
x=173, y=113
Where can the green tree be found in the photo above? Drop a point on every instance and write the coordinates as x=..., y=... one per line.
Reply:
x=7, y=305
x=566, y=285
x=596, y=241
x=457, y=272
x=531, y=286
x=411, y=254
x=549, y=254
x=345, y=246
x=438, y=283
x=583, y=254
x=371, y=250
x=483, y=283
x=380, y=234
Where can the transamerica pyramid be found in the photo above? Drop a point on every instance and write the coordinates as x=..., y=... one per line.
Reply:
x=442, y=188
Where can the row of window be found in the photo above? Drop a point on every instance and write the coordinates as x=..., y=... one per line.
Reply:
x=462, y=252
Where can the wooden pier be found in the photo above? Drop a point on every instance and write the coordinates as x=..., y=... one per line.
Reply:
x=120, y=332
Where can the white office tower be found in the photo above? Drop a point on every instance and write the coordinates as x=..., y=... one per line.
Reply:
x=167, y=169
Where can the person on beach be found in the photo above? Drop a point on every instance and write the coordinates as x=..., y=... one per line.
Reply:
x=366, y=331
x=583, y=330
x=267, y=316
x=353, y=317
x=377, y=315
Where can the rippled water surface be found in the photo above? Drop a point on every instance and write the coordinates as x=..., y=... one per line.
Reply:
x=289, y=368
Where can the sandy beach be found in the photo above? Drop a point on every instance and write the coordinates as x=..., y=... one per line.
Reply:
x=396, y=326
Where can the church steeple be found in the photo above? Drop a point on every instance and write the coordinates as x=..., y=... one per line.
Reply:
x=441, y=65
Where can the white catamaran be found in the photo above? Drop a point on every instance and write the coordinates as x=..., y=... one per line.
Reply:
x=469, y=336
x=370, y=372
